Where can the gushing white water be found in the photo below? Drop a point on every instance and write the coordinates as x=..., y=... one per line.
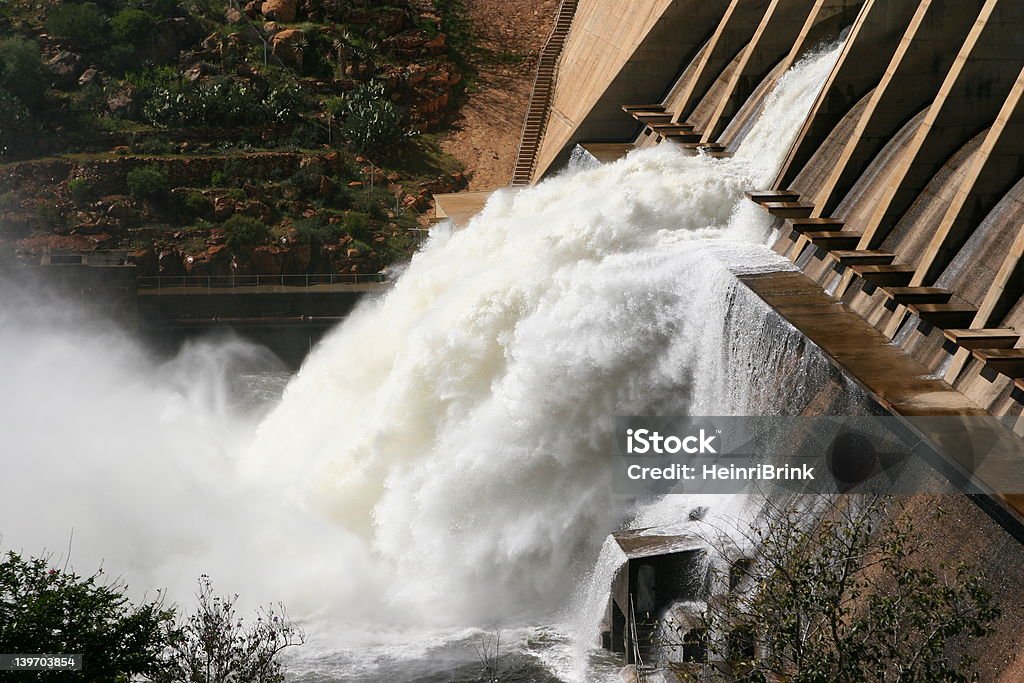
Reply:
x=440, y=462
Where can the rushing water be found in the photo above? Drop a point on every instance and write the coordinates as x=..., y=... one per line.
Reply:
x=436, y=473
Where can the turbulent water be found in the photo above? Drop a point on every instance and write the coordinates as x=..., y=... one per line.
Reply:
x=437, y=471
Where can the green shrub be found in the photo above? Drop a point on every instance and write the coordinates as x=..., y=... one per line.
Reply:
x=219, y=179
x=83, y=25
x=197, y=204
x=15, y=123
x=367, y=118
x=357, y=224
x=21, y=71
x=131, y=26
x=147, y=182
x=49, y=216
x=47, y=609
x=152, y=145
x=223, y=102
x=80, y=189
x=244, y=233
x=8, y=200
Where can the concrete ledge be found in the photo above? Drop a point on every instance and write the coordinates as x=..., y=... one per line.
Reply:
x=460, y=207
x=934, y=410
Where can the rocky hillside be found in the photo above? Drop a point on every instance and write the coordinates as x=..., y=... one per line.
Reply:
x=209, y=137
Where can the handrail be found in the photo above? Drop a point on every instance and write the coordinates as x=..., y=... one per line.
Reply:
x=233, y=281
x=638, y=661
x=559, y=16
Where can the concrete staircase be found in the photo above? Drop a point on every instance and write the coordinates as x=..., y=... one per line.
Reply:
x=540, y=98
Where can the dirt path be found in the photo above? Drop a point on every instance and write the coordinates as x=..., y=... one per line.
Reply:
x=485, y=136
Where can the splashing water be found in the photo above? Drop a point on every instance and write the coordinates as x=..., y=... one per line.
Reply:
x=440, y=462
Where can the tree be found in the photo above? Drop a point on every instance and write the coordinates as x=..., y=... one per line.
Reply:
x=215, y=646
x=83, y=25
x=47, y=609
x=849, y=596
x=21, y=71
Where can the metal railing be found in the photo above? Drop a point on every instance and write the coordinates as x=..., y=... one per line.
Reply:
x=526, y=153
x=232, y=281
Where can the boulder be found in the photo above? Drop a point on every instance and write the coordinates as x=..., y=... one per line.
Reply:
x=287, y=46
x=280, y=10
x=122, y=101
x=66, y=68
x=90, y=77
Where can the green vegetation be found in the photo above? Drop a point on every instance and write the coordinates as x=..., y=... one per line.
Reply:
x=244, y=233
x=131, y=26
x=81, y=190
x=49, y=609
x=368, y=119
x=46, y=609
x=851, y=596
x=83, y=25
x=147, y=182
x=22, y=84
x=214, y=645
x=337, y=91
x=218, y=102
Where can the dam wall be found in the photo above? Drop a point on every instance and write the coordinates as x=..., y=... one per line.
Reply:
x=901, y=204
x=900, y=198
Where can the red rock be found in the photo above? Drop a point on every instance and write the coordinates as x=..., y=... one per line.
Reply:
x=280, y=10
x=287, y=46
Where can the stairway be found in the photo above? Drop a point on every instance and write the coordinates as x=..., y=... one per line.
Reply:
x=540, y=98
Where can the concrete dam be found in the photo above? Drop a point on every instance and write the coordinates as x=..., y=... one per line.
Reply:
x=728, y=219
x=897, y=205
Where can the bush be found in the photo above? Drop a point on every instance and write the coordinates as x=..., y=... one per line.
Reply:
x=367, y=118
x=15, y=122
x=222, y=102
x=80, y=189
x=46, y=609
x=21, y=71
x=244, y=233
x=131, y=27
x=357, y=224
x=197, y=204
x=147, y=182
x=215, y=645
x=854, y=593
x=82, y=25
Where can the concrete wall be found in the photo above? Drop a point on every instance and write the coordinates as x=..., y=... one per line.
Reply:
x=619, y=52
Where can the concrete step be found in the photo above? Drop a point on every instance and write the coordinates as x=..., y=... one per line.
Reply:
x=788, y=209
x=630, y=108
x=866, y=257
x=763, y=196
x=918, y=295
x=666, y=128
x=983, y=338
x=945, y=316
x=681, y=137
x=802, y=225
x=652, y=117
x=833, y=239
x=1008, y=362
x=891, y=275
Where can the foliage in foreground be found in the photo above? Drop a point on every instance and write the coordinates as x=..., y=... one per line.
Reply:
x=215, y=646
x=46, y=610
x=50, y=610
x=851, y=597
